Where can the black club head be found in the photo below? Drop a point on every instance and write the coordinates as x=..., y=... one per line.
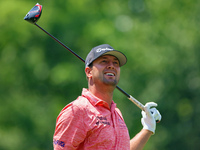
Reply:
x=34, y=14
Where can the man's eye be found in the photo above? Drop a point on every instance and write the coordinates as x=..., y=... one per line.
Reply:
x=116, y=62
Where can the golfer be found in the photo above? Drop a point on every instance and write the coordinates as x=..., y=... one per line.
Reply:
x=92, y=121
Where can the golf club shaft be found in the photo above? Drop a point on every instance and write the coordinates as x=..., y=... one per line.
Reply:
x=131, y=98
x=61, y=43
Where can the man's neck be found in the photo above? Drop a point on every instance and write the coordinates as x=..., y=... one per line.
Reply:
x=104, y=92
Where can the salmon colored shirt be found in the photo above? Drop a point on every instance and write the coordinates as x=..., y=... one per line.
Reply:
x=89, y=123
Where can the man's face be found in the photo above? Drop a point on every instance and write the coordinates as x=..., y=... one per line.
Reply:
x=106, y=70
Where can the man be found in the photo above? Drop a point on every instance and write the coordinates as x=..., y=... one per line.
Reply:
x=92, y=121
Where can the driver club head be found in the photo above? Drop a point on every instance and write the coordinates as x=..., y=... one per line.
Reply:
x=34, y=14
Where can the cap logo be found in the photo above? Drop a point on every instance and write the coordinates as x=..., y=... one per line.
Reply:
x=103, y=49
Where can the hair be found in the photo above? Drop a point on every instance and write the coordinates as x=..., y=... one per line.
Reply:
x=90, y=65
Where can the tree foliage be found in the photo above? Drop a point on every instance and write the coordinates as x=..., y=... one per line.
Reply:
x=38, y=77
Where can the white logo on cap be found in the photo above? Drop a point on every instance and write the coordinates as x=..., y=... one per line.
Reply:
x=103, y=49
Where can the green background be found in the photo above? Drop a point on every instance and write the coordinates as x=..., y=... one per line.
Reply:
x=38, y=77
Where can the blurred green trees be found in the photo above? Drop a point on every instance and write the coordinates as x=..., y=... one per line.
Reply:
x=38, y=77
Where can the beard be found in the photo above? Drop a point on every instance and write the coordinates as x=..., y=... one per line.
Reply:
x=112, y=82
x=100, y=78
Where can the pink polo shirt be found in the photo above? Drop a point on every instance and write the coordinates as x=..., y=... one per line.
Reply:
x=88, y=123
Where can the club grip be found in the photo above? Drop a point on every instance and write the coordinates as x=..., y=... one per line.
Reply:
x=136, y=102
x=139, y=105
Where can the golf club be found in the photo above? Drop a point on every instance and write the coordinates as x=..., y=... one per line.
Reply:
x=34, y=14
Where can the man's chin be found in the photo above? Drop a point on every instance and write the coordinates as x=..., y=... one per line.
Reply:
x=111, y=82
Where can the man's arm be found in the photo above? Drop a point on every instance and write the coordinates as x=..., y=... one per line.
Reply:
x=149, y=117
x=138, y=142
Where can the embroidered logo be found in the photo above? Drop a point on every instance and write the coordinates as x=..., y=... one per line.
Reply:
x=102, y=120
x=103, y=49
x=58, y=142
x=122, y=125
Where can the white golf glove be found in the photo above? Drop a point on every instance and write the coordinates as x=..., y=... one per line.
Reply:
x=150, y=116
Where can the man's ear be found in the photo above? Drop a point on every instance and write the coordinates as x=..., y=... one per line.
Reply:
x=88, y=72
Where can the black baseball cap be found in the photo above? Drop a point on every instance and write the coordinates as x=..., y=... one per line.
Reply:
x=104, y=49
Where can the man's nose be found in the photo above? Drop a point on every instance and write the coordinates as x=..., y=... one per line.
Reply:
x=110, y=65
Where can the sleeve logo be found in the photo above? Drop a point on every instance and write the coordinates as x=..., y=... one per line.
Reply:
x=58, y=142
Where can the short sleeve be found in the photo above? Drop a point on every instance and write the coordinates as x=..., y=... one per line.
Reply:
x=70, y=129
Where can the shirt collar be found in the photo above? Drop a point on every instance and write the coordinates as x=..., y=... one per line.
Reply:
x=95, y=100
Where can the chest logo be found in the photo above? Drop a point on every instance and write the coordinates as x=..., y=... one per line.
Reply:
x=102, y=120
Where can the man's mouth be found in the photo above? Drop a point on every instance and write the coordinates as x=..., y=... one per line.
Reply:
x=110, y=74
